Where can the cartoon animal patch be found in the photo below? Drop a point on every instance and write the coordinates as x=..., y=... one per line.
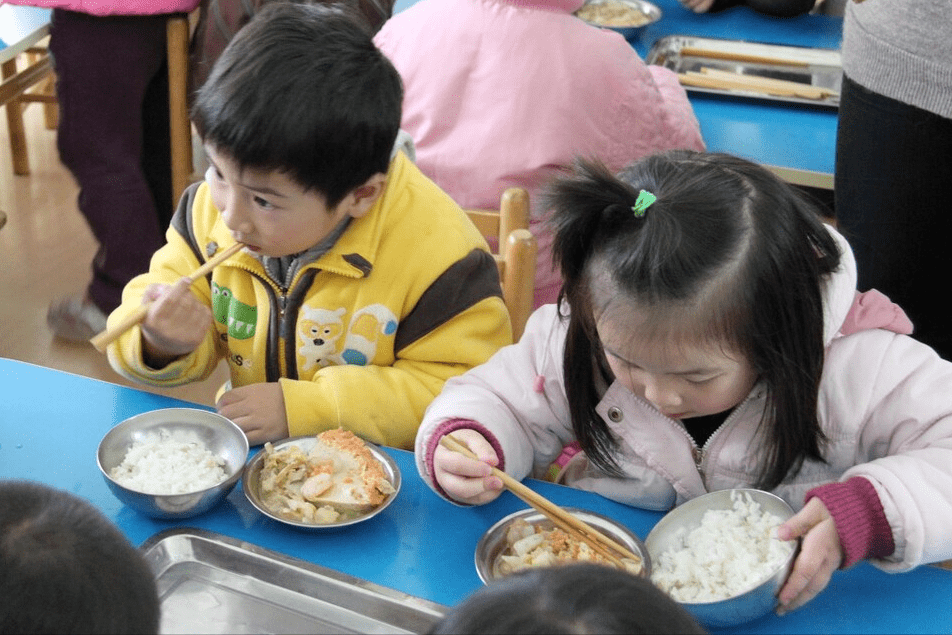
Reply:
x=240, y=318
x=318, y=331
x=324, y=340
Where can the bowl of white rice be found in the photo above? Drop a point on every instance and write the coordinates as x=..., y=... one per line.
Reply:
x=718, y=555
x=174, y=462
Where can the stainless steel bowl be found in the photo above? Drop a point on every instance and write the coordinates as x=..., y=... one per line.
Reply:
x=252, y=475
x=493, y=542
x=748, y=605
x=219, y=435
x=651, y=12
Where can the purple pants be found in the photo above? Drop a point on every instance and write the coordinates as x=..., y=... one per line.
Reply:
x=112, y=88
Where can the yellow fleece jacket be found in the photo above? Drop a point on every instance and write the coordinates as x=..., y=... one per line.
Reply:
x=364, y=337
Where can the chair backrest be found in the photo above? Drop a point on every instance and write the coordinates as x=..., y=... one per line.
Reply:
x=514, y=250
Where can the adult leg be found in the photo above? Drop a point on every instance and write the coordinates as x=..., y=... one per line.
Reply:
x=893, y=184
x=104, y=67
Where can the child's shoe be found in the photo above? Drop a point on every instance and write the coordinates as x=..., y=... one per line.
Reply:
x=76, y=319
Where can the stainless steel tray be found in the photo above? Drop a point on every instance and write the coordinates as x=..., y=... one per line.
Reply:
x=210, y=583
x=819, y=68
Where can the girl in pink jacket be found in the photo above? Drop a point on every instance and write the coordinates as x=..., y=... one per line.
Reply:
x=502, y=93
x=712, y=338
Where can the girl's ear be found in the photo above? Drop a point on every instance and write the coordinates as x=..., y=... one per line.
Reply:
x=361, y=198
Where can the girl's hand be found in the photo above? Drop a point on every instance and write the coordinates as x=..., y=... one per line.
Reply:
x=176, y=323
x=258, y=409
x=820, y=554
x=464, y=479
x=698, y=6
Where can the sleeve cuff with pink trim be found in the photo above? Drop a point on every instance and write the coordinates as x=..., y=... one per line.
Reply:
x=859, y=517
x=449, y=426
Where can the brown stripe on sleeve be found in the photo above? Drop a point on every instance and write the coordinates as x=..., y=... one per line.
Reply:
x=464, y=284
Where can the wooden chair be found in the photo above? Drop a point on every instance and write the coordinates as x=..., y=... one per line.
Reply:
x=515, y=254
x=32, y=83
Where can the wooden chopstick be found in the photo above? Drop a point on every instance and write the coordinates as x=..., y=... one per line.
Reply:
x=107, y=337
x=689, y=51
x=725, y=80
x=561, y=518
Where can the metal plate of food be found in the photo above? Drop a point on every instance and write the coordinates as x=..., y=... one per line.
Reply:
x=625, y=16
x=210, y=583
x=750, y=69
x=342, y=514
x=495, y=545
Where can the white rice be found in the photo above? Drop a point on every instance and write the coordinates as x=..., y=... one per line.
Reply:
x=167, y=464
x=730, y=552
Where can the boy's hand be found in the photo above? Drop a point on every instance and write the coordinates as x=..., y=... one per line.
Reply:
x=258, y=409
x=177, y=322
x=464, y=479
x=820, y=554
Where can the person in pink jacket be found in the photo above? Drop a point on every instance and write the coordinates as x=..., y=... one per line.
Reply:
x=712, y=338
x=113, y=135
x=502, y=93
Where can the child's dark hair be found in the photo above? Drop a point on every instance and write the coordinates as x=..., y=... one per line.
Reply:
x=65, y=568
x=576, y=598
x=727, y=254
x=302, y=89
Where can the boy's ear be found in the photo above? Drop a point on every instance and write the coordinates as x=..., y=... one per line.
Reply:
x=362, y=197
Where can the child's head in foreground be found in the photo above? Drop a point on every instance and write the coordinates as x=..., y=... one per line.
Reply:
x=65, y=568
x=693, y=291
x=578, y=598
x=299, y=116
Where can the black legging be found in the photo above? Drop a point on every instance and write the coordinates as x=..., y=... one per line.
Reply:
x=893, y=200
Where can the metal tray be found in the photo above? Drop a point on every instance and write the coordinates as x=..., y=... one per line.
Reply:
x=820, y=68
x=210, y=583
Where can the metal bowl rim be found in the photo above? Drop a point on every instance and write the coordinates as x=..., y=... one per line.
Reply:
x=652, y=12
x=230, y=481
x=530, y=512
x=254, y=464
x=753, y=587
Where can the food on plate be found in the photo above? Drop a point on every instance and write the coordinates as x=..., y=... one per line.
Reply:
x=337, y=479
x=731, y=551
x=613, y=13
x=529, y=545
x=168, y=463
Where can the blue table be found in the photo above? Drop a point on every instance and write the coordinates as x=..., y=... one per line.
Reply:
x=797, y=141
x=51, y=424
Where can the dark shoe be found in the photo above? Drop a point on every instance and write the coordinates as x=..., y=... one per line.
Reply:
x=76, y=319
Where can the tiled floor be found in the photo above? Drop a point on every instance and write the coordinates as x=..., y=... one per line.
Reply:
x=45, y=253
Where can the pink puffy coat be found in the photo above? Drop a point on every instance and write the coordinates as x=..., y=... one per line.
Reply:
x=114, y=7
x=503, y=92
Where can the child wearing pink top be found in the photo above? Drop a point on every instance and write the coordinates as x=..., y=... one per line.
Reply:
x=501, y=93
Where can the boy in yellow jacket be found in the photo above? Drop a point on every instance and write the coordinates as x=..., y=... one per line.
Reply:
x=362, y=286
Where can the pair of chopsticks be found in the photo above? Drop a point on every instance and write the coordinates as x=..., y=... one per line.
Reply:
x=561, y=518
x=110, y=335
x=690, y=51
x=725, y=80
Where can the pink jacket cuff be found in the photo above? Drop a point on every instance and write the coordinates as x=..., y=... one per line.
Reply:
x=449, y=426
x=860, y=520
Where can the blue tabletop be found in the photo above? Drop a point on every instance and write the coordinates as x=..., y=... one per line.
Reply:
x=17, y=22
x=51, y=424
x=796, y=137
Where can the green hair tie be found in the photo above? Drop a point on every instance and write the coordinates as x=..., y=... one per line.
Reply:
x=645, y=199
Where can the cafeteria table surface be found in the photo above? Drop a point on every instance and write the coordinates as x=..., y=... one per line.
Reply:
x=51, y=423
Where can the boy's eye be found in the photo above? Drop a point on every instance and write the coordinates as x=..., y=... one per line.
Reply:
x=260, y=202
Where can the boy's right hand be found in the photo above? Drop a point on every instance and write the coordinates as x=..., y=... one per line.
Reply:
x=464, y=479
x=177, y=322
